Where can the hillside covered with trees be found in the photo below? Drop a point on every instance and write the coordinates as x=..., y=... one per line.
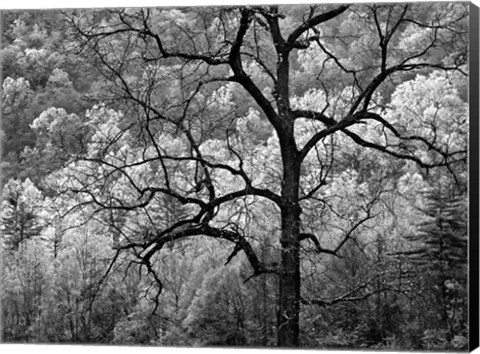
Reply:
x=290, y=176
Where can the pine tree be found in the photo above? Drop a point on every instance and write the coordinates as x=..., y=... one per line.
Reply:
x=440, y=251
x=20, y=214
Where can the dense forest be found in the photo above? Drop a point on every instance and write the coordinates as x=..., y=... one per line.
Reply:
x=236, y=176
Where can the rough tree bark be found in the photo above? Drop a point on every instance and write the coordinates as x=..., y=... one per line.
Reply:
x=289, y=291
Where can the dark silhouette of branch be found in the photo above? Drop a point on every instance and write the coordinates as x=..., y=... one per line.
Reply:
x=312, y=22
x=314, y=239
x=240, y=242
x=241, y=77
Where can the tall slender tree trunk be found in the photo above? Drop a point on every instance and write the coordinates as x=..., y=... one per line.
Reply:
x=289, y=292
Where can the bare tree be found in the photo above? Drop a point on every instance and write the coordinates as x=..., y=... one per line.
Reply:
x=160, y=67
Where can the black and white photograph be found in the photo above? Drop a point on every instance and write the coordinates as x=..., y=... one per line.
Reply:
x=297, y=176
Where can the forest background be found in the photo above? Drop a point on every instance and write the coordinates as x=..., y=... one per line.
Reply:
x=384, y=239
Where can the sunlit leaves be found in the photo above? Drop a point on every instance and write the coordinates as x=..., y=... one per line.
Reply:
x=15, y=90
x=59, y=78
x=431, y=107
x=59, y=128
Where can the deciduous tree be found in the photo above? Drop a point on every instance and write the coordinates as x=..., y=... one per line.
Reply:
x=178, y=86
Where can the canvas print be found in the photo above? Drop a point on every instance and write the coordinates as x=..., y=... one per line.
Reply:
x=249, y=176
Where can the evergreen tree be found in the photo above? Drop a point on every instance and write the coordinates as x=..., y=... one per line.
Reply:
x=20, y=214
x=440, y=252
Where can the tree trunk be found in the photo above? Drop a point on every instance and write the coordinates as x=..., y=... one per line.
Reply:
x=289, y=292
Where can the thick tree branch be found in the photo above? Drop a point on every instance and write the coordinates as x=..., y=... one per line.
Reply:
x=312, y=22
x=240, y=243
x=241, y=77
x=332, y=127
x=319, y=249
x=430, y=145
x=360, y=141
x=303, y=113
x=272, y=19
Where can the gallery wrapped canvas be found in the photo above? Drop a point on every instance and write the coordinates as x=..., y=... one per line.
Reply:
x=292, y=176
